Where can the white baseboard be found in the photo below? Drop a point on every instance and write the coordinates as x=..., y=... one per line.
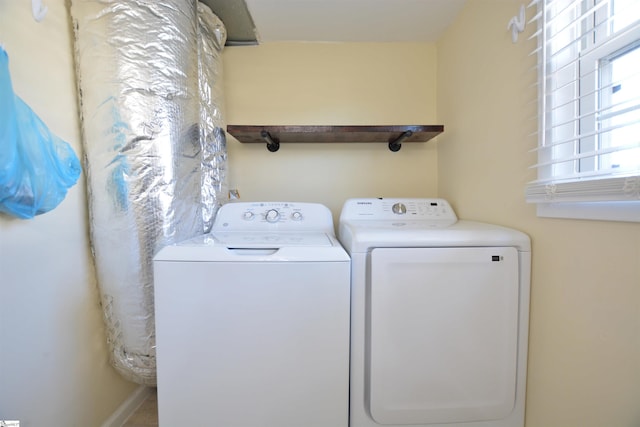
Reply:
x=128, y=407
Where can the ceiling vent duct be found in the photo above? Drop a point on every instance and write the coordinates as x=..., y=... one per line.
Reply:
x=241, y=29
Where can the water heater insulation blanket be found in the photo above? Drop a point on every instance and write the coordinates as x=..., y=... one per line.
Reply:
x=150, y=95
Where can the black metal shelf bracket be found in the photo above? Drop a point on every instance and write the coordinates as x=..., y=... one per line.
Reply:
x=396, y=144
x=273, y=145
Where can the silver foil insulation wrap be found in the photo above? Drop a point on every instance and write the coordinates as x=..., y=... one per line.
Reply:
x=148, y=142
x=212, y=36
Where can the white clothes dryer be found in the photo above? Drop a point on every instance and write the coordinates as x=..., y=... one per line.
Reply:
x=252, y=321
x=439, y=316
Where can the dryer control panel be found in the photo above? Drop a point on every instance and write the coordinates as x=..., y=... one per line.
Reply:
x=393, y=209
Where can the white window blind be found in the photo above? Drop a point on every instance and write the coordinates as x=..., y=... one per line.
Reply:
x=589, y=102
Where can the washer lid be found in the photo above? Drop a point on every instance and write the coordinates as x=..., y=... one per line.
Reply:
x=256, y=247
x=249, y=240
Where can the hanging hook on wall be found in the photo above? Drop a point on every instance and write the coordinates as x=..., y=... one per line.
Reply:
x=38, y=10
x=516, y=24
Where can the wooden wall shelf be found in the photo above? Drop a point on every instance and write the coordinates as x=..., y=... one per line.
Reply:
x=393, y=135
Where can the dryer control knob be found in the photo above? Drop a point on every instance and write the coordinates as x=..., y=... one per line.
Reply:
x=272, y=215
x=399, y=208
x=296, y=216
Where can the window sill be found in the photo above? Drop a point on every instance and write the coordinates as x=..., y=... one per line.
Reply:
x=627, y=211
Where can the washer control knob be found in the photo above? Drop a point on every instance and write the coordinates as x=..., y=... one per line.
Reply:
x=296, y=216
x=247, y=216
x=272, y=215
x=399, y=208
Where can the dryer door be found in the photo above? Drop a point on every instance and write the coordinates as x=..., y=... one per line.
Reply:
x=442, y=334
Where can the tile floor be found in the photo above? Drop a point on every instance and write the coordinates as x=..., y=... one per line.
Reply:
x=147, y=413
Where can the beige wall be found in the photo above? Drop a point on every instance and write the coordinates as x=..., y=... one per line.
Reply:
x=54, y=368
x=584, y=351
x=331, y=84
x=584, y=368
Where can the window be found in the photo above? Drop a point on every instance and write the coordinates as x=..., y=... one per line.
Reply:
x=589, y=110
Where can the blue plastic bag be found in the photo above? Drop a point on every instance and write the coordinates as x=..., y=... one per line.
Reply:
x=36, y=167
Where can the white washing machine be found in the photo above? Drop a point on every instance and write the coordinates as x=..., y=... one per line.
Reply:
x=252, y=321
x=439, y=316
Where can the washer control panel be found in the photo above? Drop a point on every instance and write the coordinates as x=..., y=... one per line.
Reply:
x=245, y=216
x=393, y=209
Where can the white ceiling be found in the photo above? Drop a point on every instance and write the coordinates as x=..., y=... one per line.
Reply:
x=352, y=20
